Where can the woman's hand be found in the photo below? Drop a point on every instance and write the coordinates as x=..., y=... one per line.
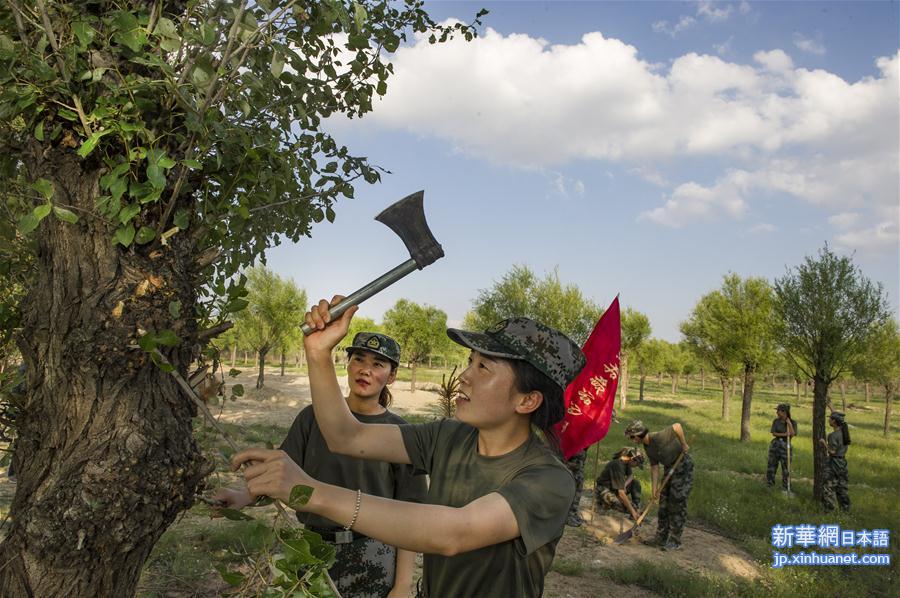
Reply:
x=327, y=333
x=272, y=473
x=233, y=498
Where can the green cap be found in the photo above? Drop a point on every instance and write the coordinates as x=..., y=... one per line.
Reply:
x=375, y=342
x=548, y=350
x=635, y=428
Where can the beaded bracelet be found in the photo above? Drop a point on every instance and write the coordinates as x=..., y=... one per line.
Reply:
x=355, y=511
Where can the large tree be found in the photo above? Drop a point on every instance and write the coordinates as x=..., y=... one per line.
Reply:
x=159, y=147
x=648, y=360
x=826, y=309
x=420, y=329
x=520, y=292
x=272, y=318
x=635, y=330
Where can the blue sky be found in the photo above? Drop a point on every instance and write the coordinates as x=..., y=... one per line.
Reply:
x=639, y=148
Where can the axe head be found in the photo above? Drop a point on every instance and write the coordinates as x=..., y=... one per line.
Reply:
x=407, y=218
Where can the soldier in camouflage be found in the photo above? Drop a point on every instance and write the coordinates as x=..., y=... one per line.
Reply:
x=783, y=428
x=665, y=447
x=616, y=488
x=835, y=490
x=576, y=466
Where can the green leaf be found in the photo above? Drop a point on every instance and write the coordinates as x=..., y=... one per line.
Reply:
x=28, y=223
x=300, y=495
x=167, y=338
x=156, y=176
x=237, y=305
x=42, y=211
x=181, y=219
x=91, y=142
x=166, y=162
x=65, y=215
x=192, y=164
x=39, y=131
x=84, y=32
x=359, y=16
x=277, y=65
x=237, y=390
x=67, y=114
x=234, y=515
x=232, y=373
x=232, y=578
x=44, y=187
x=175, y=309
x=147, y=342
x=128, y=212
x=125, y=234
x=144, y=235
x=162, y=364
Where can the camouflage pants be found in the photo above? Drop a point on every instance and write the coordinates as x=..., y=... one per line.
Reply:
x=576, y=466
x=609, y=499
x=778, y=455
x=673, y=501
x=364, y=568
x=835, y=489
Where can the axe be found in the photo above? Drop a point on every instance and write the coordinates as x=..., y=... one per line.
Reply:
x=406, y=218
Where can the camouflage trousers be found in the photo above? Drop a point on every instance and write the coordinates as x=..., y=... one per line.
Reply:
x=609, y=499
x=364, y=568
x=835, y=489
x=576, y=466
x=778, y=455
x=673, y=501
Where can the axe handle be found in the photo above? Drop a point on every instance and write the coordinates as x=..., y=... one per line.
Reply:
x=374, y=287
x=661, y=486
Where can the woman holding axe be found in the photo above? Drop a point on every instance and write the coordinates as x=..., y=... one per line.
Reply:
x=666, y=446
x=498, y=497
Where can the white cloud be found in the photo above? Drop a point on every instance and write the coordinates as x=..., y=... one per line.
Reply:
x=744, y=7
x=883, y=235
x=564, y=186
x=520, y=101
x=809, y=45
x=714, y=12
x=763, y=227
x=844, y=219
x=684, y=23
x=724, y=48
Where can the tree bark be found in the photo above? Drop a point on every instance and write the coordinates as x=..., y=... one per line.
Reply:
x=867, y=393
x=797, y=390
x=623, y=382
x=843, y=396
x=643, y=379
x=820, y=456
x=745, y=403
x=674, y=383
x=412, y=377
x=105, y=458
x=261, y=376
x=233, y=356
x=726, y=398
x=702, y=379
x=888, y=404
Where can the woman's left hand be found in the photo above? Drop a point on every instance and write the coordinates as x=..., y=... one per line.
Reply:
x=271, y=473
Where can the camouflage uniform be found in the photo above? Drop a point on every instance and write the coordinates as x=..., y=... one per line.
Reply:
x=835, y=489
x=778, y=455
x=673, y=501
x=364, y=568
x=576, y=466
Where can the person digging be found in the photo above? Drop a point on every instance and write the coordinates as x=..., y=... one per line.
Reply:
x=666, y=446
x=616, y=488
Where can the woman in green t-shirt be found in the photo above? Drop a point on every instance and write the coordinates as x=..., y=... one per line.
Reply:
x=498, y=496
x=835, y=490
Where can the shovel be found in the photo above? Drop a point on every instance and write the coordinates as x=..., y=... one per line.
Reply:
x=623, y=537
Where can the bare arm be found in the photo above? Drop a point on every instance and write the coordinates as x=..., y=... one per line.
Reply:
x=403, y=574
x=623, y=496
x=679, y=432
x=430, y=529
x=654, y=478
x=343, y=433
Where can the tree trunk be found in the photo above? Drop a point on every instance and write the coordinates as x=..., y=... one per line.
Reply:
x=867, y=393
x=843, y=396
x=659, y=378
x=105, y=459
x=674, y=383
x=745, y=403
x=687, y=379
x=641, y=396
x=623, y=382
x=412, y=376
x=246, y=358
x=233, y=357
x=797, y=390
x=820, y=456
x=702, y=379
x=774, y=382
x=726, y=397
x=888, y=404
x=261, y=376
x=283, y=359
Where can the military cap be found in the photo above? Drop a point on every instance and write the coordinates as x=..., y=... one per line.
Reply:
x=635, y=428
x=837, y=416
x=783, y=407
x=550, y=351
x=375, y=342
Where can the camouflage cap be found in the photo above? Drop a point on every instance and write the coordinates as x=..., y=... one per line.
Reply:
x=635, y=428
x=837, y=416
x=375, y=342
x=550, y=351
x=783, y=407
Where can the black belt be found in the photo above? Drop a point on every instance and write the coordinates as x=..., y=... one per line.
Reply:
x=336, y=536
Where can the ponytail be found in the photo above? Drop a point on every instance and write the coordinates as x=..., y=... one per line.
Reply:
x=845, y=432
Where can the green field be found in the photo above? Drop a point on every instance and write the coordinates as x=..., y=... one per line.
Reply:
x=729, y=497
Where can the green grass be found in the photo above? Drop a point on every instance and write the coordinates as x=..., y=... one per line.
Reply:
x=730, y=494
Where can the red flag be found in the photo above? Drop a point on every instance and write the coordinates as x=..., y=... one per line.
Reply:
x=590, y=397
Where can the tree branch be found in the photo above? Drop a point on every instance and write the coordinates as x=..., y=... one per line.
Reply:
x=51, y=36
x=214, y=331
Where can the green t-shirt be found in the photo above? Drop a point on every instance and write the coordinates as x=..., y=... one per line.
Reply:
x=307, y=447
x=836, y=444
x=664, y=447
x=780, y=427
x=535, y=483
x=614, y=475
